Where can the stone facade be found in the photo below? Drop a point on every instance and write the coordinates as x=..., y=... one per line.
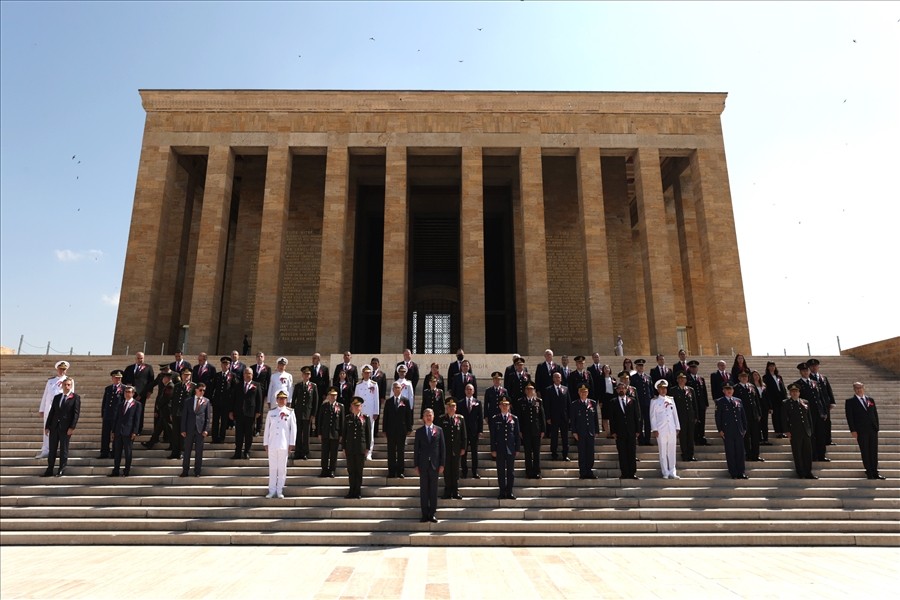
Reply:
x=572, y=218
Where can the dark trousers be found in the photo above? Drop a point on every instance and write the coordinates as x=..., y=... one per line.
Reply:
x=176, y=442
x=142, y=402
x=764, y=421
x=532, y=455
x=243, y=434
x=828, y=425
x=451, y=474
x=329, y=455
x=472, y=443
x=355, y=463
x=219, y=422
x=301, y=447
x=645, y=412
x=686, y=438
x=700, y=427
x=428, y=486
x=734, y=454
x=626, y=446
x=751, y=440
x=801, y=448
x=505, y=475
x=105, y=431
x=59, y=446
x=122, y=444
x=819, y=437
x=777, y=419
x=585, y=455
x=396, y=446
x=868, y=447
x=193, y=442
x=162, y=427
x=559, y=429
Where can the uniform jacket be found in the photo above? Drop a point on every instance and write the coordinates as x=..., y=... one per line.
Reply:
x=412, y=373
x=505, y=434
x=330, y=420
x=584, y=418
x=371, y=395
x=246, y=402
x=141, y=378
x=515, y=382
x=281, y=429
x=664, y=415
x=357, y=434
x=320, y=378
x=492, y=397
x=685, y=404
x=556, y=405
x=473, y=415
x=797, y=419
x=698, y=384
x=398, y=417
x=112, y=395
x=454, y=429
x=627, y=423
x=127, y=419
x=862, y=421
x=433, y=400
x=429, y=454
x=532, y=419
x=305, y=400
x=730, y=416
x=64, y=412
x=643, y=385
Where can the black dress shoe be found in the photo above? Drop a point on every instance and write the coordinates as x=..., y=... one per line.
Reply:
x=126, y=473
x=107, y=455
x=322, y=474
x=49, y=472
x=184, y=474
x=832, y=443
x=61, y=472
x=635, y=477
x=567, y=459
x=743, y=477
x=235, y=456
x=554, y=457
x=538, y=476
x=446, y=497
x=433, y=519
x=810, y=477
x=882, y=477
x=511, y=497
x=476, y=476
x=114, y=473
x=401, y=476
x=457, y=497
x=692, y=460
x=245, y=456
x=501, y=497
x=826, y=459
x=349, y=497
x=331, y=474
x=423, y=520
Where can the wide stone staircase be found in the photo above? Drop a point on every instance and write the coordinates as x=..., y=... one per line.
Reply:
x=227, y=504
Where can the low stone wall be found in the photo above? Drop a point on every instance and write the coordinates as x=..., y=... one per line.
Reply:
x=885, y=354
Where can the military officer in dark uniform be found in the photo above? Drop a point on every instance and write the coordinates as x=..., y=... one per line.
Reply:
x=515, y=381
x=305, y=402
x=112, y=395
x=577, y=378
x=533, y=423
x=687, y=416
x=472, y=411
x=752, y=408
x=356, y=440
x=643, y=385
x=505, y=435
x=183, y=393
x=625, y=427
x=165, y=390
x=433, y=398
x=799, y=430
x=585, y=419
x=556, y=407
x=330, y=426
x=818, y=409
x=493, y=394
x=454, y=427
x=221, y=395
x=731, y=423
x=826, y=392
x=701, y=400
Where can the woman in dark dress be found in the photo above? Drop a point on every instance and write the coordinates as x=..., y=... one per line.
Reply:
x=774, y=398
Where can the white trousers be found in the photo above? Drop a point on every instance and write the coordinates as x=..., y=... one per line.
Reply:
x=45, y=445
x=277, y=470
x=666, y=442
x=371, y=431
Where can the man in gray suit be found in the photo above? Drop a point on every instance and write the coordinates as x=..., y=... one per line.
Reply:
x=430, y=455
x=196, y=417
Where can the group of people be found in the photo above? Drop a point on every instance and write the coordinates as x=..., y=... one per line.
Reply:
x=668, y=405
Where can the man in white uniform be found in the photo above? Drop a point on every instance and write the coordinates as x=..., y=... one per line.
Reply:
x=51, y=389
x=367, y=389
x=278, y=441
x=280, y=381
x=664, y=427
x=406, y=387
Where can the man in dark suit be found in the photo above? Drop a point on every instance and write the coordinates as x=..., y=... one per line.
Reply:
x=596, y=372
x=330, y=427
x=818, y=409
x=203, y=372
x=543, y=374
x=494, y=394
x=60, y=425
x=237, y=367
x=584, y=416
x=505, y=436
x=661, y=371
x=397, y=423
x=179, y=363
x=749, y=396
x=262, y=373
x=348, y=368
x=682, y=365
x=516, y=380
x=556, y=406
x=356, y=440
x=305, y=403
x=246, y=404
x=862, y=418
x=701, y=398
x=472, y=411
x=718, y=378
x=220, y=396
x=533, y=423
x=731, y=423
x=140, y=376
x=412, y=369
x=454, y=428
x=799, y=428
x=196, y=419
x=380, y=379
x=319, y=375
x=429, y=456
x=112, y=395
x=124, y=430
x=460, y=380
x=625, y=427
x=826, y=392
x=643, y=386
x=456, y=366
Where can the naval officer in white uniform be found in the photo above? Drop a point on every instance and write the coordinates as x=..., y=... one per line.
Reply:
x=367, y=389
x=278, y=441
x=664, y=426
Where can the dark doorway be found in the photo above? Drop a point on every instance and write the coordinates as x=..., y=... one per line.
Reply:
x=368, y=270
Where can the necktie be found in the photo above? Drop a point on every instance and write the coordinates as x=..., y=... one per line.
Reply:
x=622, y=402
x=246, y=387
x=865, y=405
x=429, y=433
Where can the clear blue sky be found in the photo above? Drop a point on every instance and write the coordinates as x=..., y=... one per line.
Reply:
x=812, y=128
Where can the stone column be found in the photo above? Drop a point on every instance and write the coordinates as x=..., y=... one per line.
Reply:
x=334, y=283
x=655, y=254
x=209, y=275
x=276, y=203
x=596, y=257
x=726, y=309
x=692, y=266
x=140, y=289
x=531, y=265
x=394, y=292
x=471, y=250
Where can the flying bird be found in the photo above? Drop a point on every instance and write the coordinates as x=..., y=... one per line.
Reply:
x=479, y=29
x=460, y=61
x=854, y=41
x=73, y=157
x=373, y=39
